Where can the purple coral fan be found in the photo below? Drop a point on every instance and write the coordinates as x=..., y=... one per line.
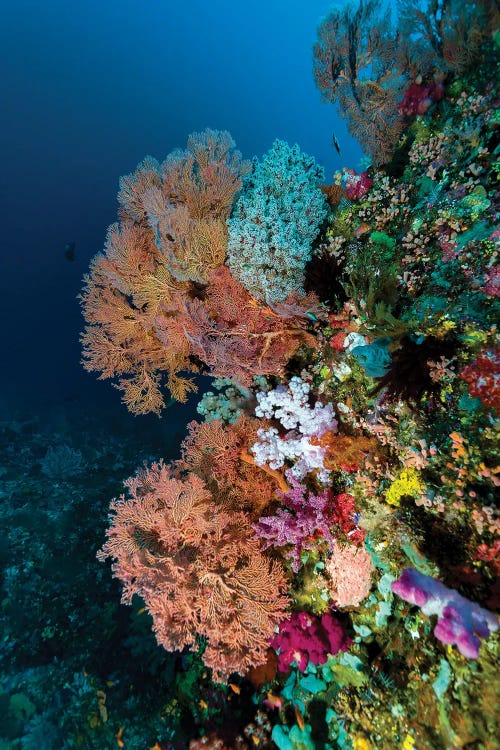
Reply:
x=304, y=637
x=312, y=518
x=460, y=621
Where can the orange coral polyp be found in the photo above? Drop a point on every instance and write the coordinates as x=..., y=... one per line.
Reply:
x=343, y=451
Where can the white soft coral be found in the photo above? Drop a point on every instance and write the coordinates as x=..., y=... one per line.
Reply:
x=291, y=407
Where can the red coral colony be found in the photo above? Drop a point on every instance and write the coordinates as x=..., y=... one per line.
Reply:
x=324, y=553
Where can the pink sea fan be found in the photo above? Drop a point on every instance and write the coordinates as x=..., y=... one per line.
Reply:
x=197, y=568
x=349, y=569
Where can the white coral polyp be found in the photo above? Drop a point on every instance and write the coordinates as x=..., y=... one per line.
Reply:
x=290, y=406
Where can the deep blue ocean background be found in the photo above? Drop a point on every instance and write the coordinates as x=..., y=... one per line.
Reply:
x=88, y=90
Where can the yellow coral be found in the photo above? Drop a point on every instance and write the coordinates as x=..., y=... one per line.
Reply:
x=407, y=483
x=361, y=743
x=442, y=327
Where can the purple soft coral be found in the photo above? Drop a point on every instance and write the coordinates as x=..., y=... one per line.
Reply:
x=304, y=637
x=460, y=621
x=312, y=518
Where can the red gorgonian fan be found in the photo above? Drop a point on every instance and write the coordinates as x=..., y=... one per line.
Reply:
x=238, y=337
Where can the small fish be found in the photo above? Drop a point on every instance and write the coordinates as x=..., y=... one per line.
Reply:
x=335, y=143
x=202, y=703
x=273, y=701
x=234, y=688
x=298, y=716
x=362, y=229
x=69, y=251
x=118, y=737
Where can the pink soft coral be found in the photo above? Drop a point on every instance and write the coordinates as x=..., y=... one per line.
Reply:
x=308, y=520
x=349, y=570
x=419, y=97
x=356, y=185
x=483, y=378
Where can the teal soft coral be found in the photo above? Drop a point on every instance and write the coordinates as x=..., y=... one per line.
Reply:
x=274, y=223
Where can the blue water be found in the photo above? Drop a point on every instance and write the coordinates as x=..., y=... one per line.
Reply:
x=88, y=89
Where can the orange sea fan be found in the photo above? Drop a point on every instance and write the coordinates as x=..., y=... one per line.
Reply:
x=216, y=452
x=190, y=248
x=133, y=186
x=206, y=176
x=120, y=301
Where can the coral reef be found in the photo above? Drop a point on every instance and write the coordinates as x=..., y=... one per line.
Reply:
x=340, y=493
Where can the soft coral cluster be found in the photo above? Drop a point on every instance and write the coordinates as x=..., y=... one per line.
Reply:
x=304, y=638
x=304, y=424
x=349, y=569
x=308, y=521
x=419, y=97
x=274, y=222
x=301, y=525
x=483, y=378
